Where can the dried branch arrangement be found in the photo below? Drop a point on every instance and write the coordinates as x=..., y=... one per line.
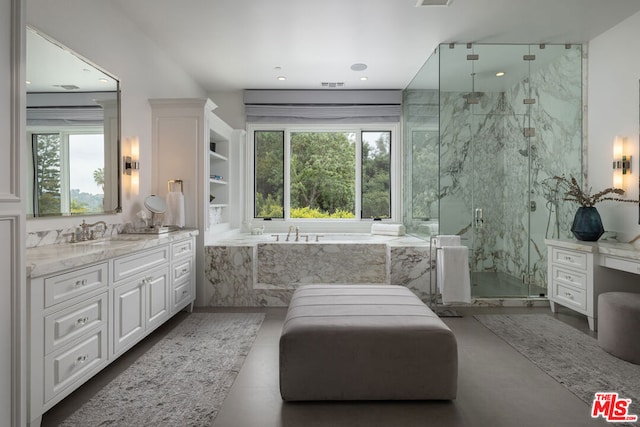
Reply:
x=574, y=193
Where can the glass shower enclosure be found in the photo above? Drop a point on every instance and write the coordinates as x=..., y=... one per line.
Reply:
x=486, y=129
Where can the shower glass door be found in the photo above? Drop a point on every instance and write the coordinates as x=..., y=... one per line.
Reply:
x=500, y=164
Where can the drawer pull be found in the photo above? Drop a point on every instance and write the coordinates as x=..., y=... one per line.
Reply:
x=184, y=292
x=80, y=283
x=568, y=295
x=568, y=258
x=184, y=270
x=82, y=358
x=568, y=277
x=183, y=249
x=82, y=321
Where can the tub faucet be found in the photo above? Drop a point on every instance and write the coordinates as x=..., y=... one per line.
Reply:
x=293, y=228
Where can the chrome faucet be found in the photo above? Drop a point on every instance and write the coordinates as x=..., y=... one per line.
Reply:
x=293, y=228
x=85, y=230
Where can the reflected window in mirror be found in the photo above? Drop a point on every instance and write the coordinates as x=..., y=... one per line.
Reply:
x=62, y=161
x=73, y=126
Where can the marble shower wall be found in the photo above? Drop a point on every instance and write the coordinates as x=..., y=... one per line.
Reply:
x=487, y=162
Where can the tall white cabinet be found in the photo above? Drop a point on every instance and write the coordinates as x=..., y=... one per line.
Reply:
x=194, y=145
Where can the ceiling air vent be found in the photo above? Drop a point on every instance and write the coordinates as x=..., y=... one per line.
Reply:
x=421, y=3
x=68, y=87
x=332, y=84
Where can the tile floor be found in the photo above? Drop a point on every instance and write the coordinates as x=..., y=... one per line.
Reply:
x=497, y=386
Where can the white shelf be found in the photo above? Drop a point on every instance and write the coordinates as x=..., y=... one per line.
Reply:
x=215, y=155
x=217, y=181
x=218, y=205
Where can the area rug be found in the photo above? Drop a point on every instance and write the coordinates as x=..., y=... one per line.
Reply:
x=571, y=357
x=182, y=380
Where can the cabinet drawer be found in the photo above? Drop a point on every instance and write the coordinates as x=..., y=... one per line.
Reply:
x=65, y=325
x=181, y=293
x=569, y=277
x=67, y=365
x=182, y=269
x=182, y=249
x=627, y=265
x=570, y=296
x=65, y=286
x=569, y=258
x=130, y=265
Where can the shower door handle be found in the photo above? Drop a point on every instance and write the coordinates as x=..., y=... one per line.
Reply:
x=478, y=217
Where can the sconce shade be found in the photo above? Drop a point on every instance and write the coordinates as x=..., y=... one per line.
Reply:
x=621, y=162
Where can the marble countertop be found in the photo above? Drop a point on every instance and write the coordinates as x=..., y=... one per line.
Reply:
x=49, y=259
x=606, y=247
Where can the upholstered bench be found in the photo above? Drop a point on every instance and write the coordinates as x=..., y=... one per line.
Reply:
x=365, y=342
x=619, y=323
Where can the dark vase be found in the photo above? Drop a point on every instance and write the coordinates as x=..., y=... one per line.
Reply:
x=587, y=224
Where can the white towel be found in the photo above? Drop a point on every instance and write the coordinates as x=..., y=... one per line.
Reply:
x=175, y=209
x=447, y=240
x=454, y=281
x=387, y=229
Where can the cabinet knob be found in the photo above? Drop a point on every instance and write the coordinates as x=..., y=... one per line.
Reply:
x=80, y=283
x=82, y=321
x=184, y=270
x=184, y=292
x=568, y=295
x=82, y=358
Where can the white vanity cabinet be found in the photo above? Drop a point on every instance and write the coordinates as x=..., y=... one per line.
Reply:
x=578, y=272
x=83, y=315
x=140, y=296
x=183, y=274
x=68, y=332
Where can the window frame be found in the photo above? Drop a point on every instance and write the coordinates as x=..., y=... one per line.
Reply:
x=356, y=224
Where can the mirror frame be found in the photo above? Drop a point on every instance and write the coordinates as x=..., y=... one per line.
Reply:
x=117, y=163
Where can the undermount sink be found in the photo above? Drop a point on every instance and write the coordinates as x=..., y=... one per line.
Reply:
x=105, y=243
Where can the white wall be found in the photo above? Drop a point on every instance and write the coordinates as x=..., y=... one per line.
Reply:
x=230, y=108
x=100, y=32
x=613, y=88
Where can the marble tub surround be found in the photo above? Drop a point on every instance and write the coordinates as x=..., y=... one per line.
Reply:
x=47, y=259
x=249, y=271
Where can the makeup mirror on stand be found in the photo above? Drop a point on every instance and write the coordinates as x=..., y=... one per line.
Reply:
x=155, y=205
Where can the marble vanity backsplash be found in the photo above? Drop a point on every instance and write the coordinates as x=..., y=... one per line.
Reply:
x=60, y=236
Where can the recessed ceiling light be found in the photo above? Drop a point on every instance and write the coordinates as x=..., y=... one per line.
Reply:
x=364, y=78
x=500, y=74
x=282, y=78
x=359, y=67
x=28, y=82
x=103, y=80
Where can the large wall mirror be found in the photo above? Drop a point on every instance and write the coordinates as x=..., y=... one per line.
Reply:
x=73, y=132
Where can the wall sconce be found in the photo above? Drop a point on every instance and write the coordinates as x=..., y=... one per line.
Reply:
x=621, y=162
x=131, y=163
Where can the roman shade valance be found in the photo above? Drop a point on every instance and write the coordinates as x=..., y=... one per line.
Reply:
x=64, y=116
x=323, y=106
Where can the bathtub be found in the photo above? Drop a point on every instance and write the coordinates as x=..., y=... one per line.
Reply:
x=264, y=270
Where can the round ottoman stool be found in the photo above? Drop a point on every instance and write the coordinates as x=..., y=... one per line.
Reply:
x=619, y=324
